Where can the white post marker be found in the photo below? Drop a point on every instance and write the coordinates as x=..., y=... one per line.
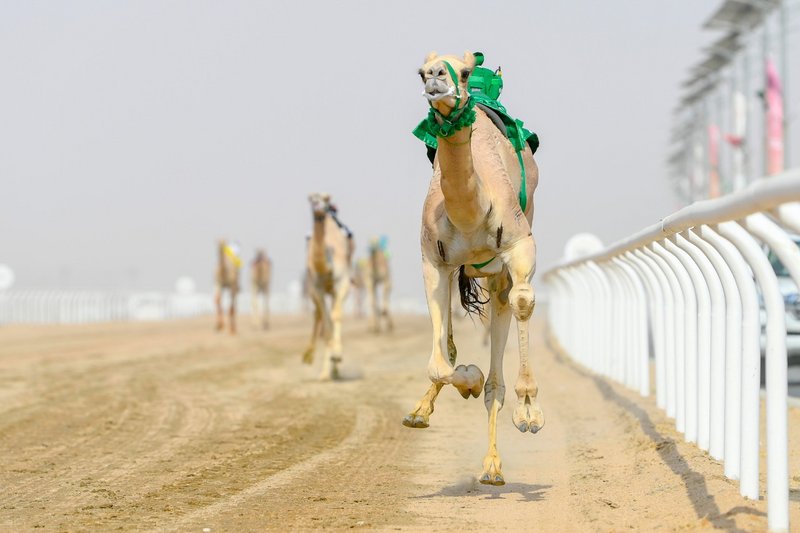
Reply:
x=6, y=277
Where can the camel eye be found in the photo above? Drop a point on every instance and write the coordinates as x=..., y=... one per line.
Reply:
x=465, y=74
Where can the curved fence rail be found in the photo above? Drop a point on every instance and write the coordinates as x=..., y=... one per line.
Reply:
x=691, y=290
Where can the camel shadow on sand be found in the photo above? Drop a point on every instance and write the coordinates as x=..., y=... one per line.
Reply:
x=471, y=488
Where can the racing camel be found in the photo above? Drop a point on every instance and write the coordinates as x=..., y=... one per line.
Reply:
x=476, y=223
x=260, y=274
x=227, y=278
x=330, y=251
x=377, y=274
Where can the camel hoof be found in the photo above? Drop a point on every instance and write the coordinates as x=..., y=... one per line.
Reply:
x=492, y=479
x=468, y=380
x=415, y=421
x=333, y=372
x=528, y=416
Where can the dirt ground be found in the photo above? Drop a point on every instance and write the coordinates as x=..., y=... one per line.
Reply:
x=173, y=427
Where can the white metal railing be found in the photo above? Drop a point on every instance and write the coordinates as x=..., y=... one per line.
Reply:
x=78, y=307
x=692, y=287
x=38, y=306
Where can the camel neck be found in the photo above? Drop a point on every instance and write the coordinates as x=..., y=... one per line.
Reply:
x=318, y=243
x=221, y=258
x=464, y=196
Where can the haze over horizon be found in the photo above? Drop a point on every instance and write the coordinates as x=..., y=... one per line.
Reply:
x=138, y=133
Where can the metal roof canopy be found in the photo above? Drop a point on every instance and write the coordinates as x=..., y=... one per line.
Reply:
x=726, y=46
x=739, y=14
x=677, y=158
x=710, y=64
x=721, y=52
x=680, y=131
x=693, y=96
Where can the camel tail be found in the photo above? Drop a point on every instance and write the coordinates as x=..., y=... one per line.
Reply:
x=470, y=293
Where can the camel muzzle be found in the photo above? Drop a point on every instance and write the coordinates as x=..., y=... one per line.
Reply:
x=434, y=91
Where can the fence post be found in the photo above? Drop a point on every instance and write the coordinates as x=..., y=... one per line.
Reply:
x=732, y=343
x=713, y=346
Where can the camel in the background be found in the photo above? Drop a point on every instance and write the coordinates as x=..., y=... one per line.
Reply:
x=227, y=278
x=260, y=275
x=476, y=222
x=359, y=286
x=377, y=274
x=330, y=251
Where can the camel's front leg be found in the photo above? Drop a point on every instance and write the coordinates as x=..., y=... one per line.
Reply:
x=255, y=306
x=372, y=289
x=265, y=310
x=467, y=379
x=387, y=289
x=232, y=313
x=437, y=292
x=420, y=416
x=218, y=304
x=521, y=260
x=495, y=388
x=316, y=330
x=334, y=356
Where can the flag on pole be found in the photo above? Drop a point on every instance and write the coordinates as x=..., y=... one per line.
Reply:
x=774, y=95
x=737, y=138
x=713, y=160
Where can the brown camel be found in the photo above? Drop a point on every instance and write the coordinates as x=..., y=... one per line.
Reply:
x=476, y=223
x=330, y=251
x=227, y=278
x=377, y=274
x=260, y=275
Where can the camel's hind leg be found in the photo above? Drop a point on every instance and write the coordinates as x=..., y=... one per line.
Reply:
x=495, y=390
x=420, y=416
x=528, y=415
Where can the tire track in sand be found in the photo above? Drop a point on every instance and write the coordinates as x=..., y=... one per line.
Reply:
x=366, y=419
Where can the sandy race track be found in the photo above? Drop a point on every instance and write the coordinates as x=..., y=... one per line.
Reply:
x=172, y=427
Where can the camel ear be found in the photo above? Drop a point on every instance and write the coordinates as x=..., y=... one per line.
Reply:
x=469, y=60
x=430, y=57
x=326, y=197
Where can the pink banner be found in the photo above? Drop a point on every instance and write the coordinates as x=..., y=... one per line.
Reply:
x=713, y=160
x=774, y=95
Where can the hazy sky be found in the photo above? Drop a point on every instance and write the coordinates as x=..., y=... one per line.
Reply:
x=134, y=134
